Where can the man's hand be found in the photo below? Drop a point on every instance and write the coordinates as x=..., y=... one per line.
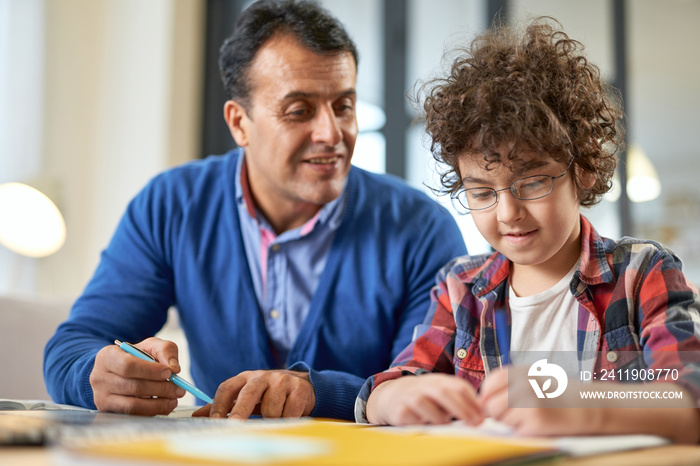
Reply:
x=424, y=399
x=271, y=393
x=123, y=383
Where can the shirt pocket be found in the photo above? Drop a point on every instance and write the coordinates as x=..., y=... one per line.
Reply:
x=622, y=339
x=467, y=356
x=620, y=349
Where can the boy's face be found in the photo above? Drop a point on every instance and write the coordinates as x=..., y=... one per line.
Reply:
x=536, y=235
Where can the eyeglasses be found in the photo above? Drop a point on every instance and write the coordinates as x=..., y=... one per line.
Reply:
x=525, y=189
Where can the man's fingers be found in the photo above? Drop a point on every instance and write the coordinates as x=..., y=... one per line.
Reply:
x=272, y=403
x=139, y=406
x=226, y=395
x=204, y=411
x=248, y=397
x=123, y=383
x=164, y=351
x=113, y=359
x=295, y=396
x=271, y=394
x=146, y=388
x=287, y=396
x=297, y=403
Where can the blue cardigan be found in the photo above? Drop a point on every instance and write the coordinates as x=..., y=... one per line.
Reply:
x=179, y=244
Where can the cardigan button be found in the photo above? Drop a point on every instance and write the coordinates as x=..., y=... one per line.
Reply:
x=611, y=356
x=461, y=353
x=274, y=313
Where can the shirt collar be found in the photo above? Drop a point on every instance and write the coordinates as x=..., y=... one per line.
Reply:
x=594, y=267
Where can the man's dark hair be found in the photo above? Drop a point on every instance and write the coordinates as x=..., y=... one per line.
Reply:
x=307, y=22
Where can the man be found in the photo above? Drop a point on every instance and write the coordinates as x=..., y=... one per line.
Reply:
x=294, y=275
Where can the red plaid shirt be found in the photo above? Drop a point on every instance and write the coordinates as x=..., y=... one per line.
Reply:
x=633, y=299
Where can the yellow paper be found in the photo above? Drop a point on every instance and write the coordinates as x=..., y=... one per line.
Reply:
x=311, y=442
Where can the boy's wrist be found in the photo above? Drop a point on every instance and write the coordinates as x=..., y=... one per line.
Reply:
x=373, y=404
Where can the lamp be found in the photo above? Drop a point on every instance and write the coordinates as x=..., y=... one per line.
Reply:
x=642, y=180
x=30, y=223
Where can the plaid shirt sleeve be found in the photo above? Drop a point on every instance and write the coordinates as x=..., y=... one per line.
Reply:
x=434, y=349
x=669, y=315
x=645, y=305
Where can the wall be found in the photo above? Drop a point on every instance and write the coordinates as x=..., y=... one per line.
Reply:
x=121, y=102
x=21, y=78
x=101, y=95
x=664, y=120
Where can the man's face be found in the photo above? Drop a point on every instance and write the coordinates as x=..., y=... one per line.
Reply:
x=299, y=130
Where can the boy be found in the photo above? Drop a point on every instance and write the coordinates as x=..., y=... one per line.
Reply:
x=529, y=134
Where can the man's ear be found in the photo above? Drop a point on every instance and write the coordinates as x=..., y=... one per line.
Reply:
x=235, y=116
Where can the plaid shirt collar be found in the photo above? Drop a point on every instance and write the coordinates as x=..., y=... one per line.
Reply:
x=593, y=270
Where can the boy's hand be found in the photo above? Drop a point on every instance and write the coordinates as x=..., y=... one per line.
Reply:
x=424, y=399
x=678, y=420
x=539, y=417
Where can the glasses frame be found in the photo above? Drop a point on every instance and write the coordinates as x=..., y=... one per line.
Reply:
x=512, y=190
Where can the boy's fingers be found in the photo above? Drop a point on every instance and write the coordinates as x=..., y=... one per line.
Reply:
x=461, y=404
x=430, y=412
x=496, y=405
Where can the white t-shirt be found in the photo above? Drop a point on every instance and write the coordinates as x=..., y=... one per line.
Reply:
x=546, y=321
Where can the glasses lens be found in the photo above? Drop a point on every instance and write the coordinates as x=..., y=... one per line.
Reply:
x=532, y=187
x=479, y=198
x=459, y=203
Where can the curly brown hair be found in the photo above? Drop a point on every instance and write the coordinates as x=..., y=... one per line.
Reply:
x=534, y=92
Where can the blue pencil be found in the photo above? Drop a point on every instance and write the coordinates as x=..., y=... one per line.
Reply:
x=176, y=379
